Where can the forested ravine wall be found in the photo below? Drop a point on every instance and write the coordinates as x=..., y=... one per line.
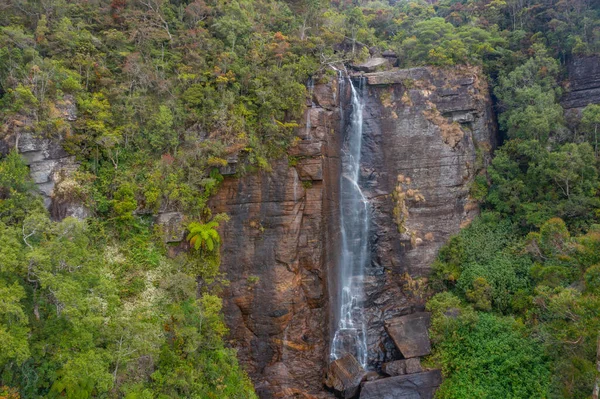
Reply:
x=427, y=133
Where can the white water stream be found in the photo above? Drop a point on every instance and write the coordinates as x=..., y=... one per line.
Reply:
x=351, y=332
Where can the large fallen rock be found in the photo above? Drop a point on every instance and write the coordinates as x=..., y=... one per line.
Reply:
x=372, y=65
x=344, y=376
x=402, y=367
x=409, y=333
x=410, y=386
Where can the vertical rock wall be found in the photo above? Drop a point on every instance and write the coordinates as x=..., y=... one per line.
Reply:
x=427, y=133
x=275, y=252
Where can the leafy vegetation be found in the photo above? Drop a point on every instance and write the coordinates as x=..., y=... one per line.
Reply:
x=86, y=315
x=153, y=96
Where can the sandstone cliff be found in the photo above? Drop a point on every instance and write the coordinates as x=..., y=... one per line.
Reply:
x=427, y=133
x=584, y=82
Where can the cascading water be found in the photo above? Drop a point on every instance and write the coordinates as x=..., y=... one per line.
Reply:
x=310, y=85
x=350, y=336
x=296, y=183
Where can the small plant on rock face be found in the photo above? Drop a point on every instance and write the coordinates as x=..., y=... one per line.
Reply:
x=204, y=237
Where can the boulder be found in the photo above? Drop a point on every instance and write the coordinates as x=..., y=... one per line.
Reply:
x=172, y=224
x=411, y=386
x=402, y=367
x=372, y=65
x=409, y=333
x=348, y=45
x=231, y=168
x=344, y=376
x=389, y=54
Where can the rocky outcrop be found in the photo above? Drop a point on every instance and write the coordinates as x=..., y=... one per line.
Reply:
x=583, y=86
x=427, y=133
x=47, y=161
x=372, y=64
x=402, y=367
x=51, y=167
x=173, y=230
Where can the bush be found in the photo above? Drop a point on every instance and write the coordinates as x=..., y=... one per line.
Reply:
x=491, y=358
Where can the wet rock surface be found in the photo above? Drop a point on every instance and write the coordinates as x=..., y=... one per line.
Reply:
x=427, y=133
x=276, y=252
x=344, y=377
x=412, y=386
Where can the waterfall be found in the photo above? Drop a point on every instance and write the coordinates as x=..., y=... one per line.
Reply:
x=296, y=182
x=351, y=333
x=310, y=85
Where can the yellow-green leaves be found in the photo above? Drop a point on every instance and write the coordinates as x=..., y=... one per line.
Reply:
x=204, y=237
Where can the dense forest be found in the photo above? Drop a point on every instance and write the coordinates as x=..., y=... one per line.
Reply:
x=166, y=90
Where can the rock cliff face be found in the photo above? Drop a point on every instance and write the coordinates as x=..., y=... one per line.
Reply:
x=584, y=82
x=426, y=134
x=50, y=165
x=276, y=251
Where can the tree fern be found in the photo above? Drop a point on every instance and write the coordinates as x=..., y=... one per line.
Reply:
x=204, y=236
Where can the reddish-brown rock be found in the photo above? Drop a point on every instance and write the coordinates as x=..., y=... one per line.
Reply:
x=410, y=335
x=344, y=376
x=426, y=134
x=402, y=367
x=411, y=386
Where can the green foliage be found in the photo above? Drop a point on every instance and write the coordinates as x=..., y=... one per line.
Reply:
x=161, y=133
x=437, y=42
x=97, y=309
x=531, y=184
x=484, y=265
x=591, y=124
x=13, y=324
x=549, y=279
x=16, y=198
x=204, y=236
x=486, y=356
x=529, y=98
